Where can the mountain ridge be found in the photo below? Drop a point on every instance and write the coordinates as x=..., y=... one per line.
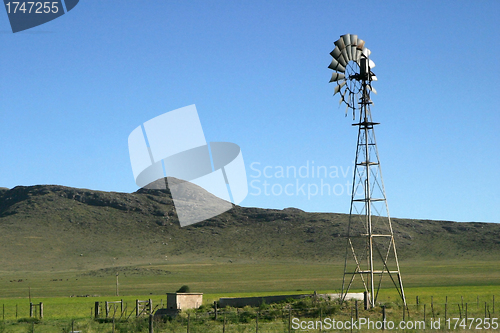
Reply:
x=50, y=227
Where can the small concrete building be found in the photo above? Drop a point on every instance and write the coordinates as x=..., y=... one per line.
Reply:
x=181, y=301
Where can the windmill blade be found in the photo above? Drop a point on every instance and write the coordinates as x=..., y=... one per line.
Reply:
x=336, y=53
x=373, y=77
x=366, y=52
x=347, y=39
x=336, y=66
x=354, y=40
x=371, y=88
x=346, y=109
x=346, y=57
x=360, y=45
x=340, y=43
x=342, y=97
x=371, y=63
x=337, y=77
x=338, y=87
x=358, y=55
x=349, y=52
x=336, y=90
x=354, y=53
x=343, y=60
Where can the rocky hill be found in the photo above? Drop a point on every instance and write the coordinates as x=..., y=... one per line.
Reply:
x=51, y=227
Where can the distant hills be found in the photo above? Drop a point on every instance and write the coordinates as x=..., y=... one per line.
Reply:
x=51, y=227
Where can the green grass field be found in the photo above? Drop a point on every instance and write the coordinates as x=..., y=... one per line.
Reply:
x=215, y=280
x=230, y=278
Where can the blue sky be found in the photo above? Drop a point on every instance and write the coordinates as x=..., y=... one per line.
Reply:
x=73, y=89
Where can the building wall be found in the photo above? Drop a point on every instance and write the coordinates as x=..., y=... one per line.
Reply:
x=171, y=301
x=189, y=301
x=256, y=301
x=240, y=302
x=184, y=300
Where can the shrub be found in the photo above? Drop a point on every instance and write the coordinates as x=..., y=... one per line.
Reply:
x=183, y=289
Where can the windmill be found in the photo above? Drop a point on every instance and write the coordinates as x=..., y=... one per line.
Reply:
x=370, y=247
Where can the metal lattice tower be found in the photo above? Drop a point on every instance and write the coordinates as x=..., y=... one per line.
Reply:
x=370, y=247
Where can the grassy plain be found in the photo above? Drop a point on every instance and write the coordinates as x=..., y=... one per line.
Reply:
x=469, y=279
x=236, y=277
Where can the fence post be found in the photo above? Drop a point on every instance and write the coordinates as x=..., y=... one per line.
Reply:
x=215, y=309
x=41, y=310
x=137, y=308
x=257, y=322
x=321, y=316
x=424, y=312
x=107, y=308
x=383, y=317
x=96, y=309
x=445, y=311
x=356, y=307
x=365, y=300
x=150, y=302
x=351, y=317
x=432, y=306
x=31, y=310
x=3, y=312
x=188, y=323
x=465, y=312
x=224, y=324
x=150, y=323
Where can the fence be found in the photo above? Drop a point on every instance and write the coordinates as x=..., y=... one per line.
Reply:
x=283, y=318
x=421, y=315
x=119, y=309
x=143, y=307
x=33, y=308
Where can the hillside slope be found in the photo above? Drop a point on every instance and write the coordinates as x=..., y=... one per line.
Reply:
x=50, y=227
